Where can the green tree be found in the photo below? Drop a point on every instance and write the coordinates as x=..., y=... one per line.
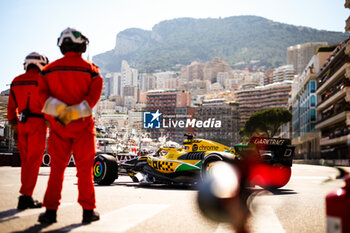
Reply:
x=266, y=122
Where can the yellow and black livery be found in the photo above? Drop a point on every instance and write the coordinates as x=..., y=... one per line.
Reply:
x=185, y=165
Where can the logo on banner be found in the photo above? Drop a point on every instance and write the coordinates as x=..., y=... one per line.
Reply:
x=151, y=120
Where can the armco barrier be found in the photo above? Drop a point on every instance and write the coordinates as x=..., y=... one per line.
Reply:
x=47, y=160
x=10, y=159
x=324, y=162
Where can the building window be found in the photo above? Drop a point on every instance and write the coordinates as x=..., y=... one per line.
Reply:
x=312, y=127
x=313, y=115
x=313, y=86
x=313, y=101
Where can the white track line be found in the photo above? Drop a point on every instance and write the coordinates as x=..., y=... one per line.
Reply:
x=264, y=220
x=224, y=228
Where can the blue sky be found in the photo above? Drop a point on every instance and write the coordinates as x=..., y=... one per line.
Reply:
x=34, y=25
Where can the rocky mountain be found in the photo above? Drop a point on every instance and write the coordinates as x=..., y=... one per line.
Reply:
x=238, y=40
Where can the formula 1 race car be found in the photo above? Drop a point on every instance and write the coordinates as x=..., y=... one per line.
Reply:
x=191, y=163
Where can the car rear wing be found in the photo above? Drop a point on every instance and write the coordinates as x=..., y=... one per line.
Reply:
x=271, y=150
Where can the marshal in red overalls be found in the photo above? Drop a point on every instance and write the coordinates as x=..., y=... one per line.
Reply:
x=69, y=88
x=71, y=80
x=24, y=111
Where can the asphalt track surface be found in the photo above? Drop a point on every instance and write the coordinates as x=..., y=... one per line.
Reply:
x=128, y=207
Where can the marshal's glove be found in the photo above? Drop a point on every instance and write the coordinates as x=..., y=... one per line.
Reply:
x=54, y=107
x=74, y=112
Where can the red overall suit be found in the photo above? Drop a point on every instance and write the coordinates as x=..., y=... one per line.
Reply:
x=71, y=80
x=31, y=137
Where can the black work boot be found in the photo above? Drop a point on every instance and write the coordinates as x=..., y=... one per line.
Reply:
x=25, y=202
x=90, y=216
x=48, y=217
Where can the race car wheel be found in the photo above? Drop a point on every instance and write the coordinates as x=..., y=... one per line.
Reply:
x=207, y=165
x=105, y=169
x=281, y=178
x=270, y=177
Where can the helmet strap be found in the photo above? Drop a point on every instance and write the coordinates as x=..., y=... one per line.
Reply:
x=73, y=47
x=32, y=66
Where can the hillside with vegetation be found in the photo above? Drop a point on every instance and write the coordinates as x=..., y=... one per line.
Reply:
x=238, y=40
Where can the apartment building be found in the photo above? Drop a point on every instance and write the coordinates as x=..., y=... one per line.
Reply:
x=334, y=104
x=268, y=76
x=182, y=114
x=167, y=102
x=304, y=100
x=220, y=110
x=258, y=98
x=166, y=80
x=192, y=71
x=147, y=82
x=3, y=106
x=283, y=73
x=299, y=55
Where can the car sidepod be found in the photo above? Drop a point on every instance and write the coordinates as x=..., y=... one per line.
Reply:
x=175, y=168
x=213, y=157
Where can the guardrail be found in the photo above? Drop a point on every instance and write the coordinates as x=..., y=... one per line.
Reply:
x=10, y=159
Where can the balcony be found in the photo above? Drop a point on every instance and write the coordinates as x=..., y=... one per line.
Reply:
x=332, y=79
x=334, y=141
x=334, y=98
x=335, y=119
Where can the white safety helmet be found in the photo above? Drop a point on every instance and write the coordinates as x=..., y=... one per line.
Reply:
x=36, y=59
x=71, y=35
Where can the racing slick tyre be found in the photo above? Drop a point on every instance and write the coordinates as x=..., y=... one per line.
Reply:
x=207, y=165
x=281, y=178
x=105, y=169
x=270, y=177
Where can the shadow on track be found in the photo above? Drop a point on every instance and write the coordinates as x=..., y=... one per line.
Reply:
x=39, y=227
x=35, y=228
x=8, y=215
x=283, y=191
x=154, y=186
x=273, y=191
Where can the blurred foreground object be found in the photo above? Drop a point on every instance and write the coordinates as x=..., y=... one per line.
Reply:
x=223, y=198
x=338, y=206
